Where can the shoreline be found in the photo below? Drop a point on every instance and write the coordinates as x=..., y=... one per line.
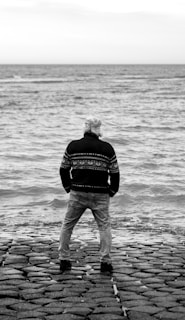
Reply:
x=122, y=231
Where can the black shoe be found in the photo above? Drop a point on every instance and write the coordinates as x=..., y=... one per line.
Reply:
x=65, y=265
x=106, y=267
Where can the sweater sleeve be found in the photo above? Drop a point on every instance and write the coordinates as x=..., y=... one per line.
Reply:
x=114, y=176
x=65, y=168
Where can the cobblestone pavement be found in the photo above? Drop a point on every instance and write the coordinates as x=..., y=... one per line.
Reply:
x=148, y=281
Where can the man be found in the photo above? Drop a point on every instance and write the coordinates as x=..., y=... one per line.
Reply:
x=90, y=172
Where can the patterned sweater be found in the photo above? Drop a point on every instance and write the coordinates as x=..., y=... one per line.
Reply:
x=90, y=165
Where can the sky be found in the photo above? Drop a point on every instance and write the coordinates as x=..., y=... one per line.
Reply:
x=92, y=31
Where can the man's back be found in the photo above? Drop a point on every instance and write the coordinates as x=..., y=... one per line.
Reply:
x=91, y=161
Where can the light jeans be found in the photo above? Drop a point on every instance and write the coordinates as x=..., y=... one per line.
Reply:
x=78, y=203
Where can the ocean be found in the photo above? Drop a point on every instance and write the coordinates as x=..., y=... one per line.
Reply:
x=142, y=108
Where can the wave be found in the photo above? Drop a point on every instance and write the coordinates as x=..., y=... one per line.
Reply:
x=147, y=77
x=36, y=203
x=8, y=192
x=149, y=128
x=148, y=166
x=176, y=199
x=136, y=186
x=130, y=78
x=55, y=203
x=138, y=194
x=18, y=79
x=177, y=77
x=29, y=191
x=33, y=80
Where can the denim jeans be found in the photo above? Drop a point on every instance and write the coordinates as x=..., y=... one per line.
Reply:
x=98, y=203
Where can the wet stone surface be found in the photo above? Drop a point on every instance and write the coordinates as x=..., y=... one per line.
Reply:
x=148, y=281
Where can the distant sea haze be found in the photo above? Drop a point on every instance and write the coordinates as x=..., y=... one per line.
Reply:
x=142, y=107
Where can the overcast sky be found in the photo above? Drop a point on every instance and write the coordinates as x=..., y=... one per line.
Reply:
x=92, y=31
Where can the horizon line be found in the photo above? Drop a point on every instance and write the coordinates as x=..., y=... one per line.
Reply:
x=87, y=64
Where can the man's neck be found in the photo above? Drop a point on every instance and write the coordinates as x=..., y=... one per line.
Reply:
x=91, y=134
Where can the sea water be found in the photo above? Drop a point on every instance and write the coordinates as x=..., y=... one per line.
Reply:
x=142, y=108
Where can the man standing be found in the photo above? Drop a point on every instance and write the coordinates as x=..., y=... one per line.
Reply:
x=90, y=172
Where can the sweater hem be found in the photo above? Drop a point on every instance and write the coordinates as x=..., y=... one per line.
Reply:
x=90, y=189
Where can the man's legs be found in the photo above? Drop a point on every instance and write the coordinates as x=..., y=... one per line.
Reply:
x=100, y=209
x=76, y=207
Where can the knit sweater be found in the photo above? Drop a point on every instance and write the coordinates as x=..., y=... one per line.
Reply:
x=90, y=165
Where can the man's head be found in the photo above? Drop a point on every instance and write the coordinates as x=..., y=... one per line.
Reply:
x=93, y=125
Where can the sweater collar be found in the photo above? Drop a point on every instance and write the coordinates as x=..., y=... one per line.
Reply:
x=91, y=134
